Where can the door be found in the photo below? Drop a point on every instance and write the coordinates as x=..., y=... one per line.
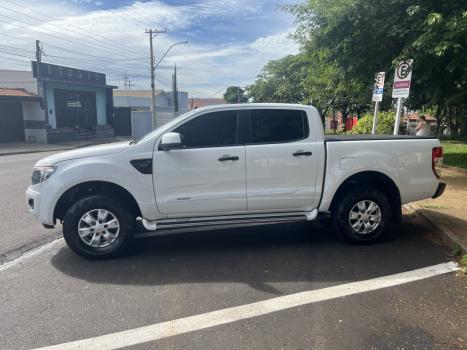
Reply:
x=281, y=161
x=75, y=109
x=207, y=175
x=11, y=122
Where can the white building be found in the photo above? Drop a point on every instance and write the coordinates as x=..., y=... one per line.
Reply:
x=139, y=103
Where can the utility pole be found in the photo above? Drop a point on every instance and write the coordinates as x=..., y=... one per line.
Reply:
x=125, y=81
x=152, y=34
x=40, y=89
x=175, y=89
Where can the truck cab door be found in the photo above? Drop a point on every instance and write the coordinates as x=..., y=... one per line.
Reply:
x=206, y=175
x=282, y=161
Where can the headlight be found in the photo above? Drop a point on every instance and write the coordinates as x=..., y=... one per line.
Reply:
x=42, y=173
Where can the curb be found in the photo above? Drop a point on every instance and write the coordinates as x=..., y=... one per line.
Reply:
x=65, y=147
x=35, y=151
x=449, y=237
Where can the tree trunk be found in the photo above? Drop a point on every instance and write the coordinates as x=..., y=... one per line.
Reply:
x=438, y=120
x=462, y=111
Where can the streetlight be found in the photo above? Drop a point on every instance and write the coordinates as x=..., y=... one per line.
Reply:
x=166, y=52
x=153, y=68
x=153, y=94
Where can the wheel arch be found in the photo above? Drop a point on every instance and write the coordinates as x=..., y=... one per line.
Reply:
x=87, y=188
x=380, y=181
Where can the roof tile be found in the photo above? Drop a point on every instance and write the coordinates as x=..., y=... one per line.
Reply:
x=15, y=92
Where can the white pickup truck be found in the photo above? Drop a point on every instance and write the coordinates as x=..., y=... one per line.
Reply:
x=232, y=165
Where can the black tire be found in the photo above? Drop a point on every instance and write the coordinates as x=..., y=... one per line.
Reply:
x=342, y=211
x=111, y=204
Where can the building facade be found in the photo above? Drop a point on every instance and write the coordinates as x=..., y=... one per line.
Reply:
x=70, y=103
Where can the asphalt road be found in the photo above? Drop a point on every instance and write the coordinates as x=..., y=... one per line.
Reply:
x=19, y=231
x=54, y=297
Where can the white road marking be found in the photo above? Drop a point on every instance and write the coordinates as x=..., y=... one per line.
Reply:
x=219, y=317
x=29, y=254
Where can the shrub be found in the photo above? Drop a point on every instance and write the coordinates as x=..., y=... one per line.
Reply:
x=385, y=124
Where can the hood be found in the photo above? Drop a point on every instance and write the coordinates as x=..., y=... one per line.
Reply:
x=100, y=150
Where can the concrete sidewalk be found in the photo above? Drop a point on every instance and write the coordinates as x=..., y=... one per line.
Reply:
x=12, y=148
x=448, y=213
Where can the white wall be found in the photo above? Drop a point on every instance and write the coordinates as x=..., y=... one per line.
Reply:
x=131, y=101
x=182, y=100
x=141, y=122
x=33, y=111
x=35, y=135
x=18, y=79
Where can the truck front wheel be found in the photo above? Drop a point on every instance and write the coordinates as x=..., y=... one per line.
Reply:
x=362, y=215
x=98, y=227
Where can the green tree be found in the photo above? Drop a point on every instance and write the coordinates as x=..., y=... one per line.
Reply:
x=280, y=81
x=309, y=78
x=235, y=94
x=362, y=37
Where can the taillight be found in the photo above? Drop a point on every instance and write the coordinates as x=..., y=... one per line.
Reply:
x=437, y=161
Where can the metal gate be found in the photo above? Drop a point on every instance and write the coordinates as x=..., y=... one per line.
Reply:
x=122, y=121
x=75, y=109
x=11, y=122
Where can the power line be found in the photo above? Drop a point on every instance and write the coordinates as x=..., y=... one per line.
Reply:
x=80, y=33
x=94, y=57
x=61, y=37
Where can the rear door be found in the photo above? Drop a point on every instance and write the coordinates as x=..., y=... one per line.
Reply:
x=206, y=176
x=281, y=161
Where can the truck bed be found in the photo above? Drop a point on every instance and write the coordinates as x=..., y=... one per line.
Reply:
x=369, y=137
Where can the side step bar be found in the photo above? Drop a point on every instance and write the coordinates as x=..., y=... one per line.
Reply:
x=225, y=221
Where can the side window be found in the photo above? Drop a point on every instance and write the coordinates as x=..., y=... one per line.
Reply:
x=215, y=129
x=278, y=125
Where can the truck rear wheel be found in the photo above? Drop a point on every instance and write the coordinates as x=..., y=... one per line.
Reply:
x=362, y=215
x=98, y=227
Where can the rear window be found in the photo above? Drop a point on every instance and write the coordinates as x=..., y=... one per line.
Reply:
x=278, y=125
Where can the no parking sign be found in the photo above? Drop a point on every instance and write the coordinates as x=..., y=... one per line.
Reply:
x=402, y=78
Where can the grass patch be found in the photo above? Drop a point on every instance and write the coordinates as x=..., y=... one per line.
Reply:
x=463, y=263
x=429, y=206
x=455, y=153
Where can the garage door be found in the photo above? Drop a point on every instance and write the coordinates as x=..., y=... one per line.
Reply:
x=11, y=122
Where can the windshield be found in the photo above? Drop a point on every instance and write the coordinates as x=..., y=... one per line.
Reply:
x=167, y=126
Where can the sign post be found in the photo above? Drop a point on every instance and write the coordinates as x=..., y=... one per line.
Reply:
x=377, y=97
x=401, y=87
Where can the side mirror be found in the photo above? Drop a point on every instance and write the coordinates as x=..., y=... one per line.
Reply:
x=171, y=140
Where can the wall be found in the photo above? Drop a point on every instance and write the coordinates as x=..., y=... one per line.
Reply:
x=141, y=122
x=18, y=79
x=100, y=100
x=182, y=100
x=133, y=102
x=34, y=122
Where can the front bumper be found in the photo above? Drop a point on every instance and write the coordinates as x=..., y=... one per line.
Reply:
x=439, y=190
x=34, y=203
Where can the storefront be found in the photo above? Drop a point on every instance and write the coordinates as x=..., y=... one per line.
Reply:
x=77, y=103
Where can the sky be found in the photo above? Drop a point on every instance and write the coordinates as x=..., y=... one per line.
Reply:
x=229, y=41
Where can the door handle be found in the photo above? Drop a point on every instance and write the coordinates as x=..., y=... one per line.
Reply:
x=302, y=153
x=227, y=157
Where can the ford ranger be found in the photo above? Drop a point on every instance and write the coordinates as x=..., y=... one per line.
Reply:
x=232, y=165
